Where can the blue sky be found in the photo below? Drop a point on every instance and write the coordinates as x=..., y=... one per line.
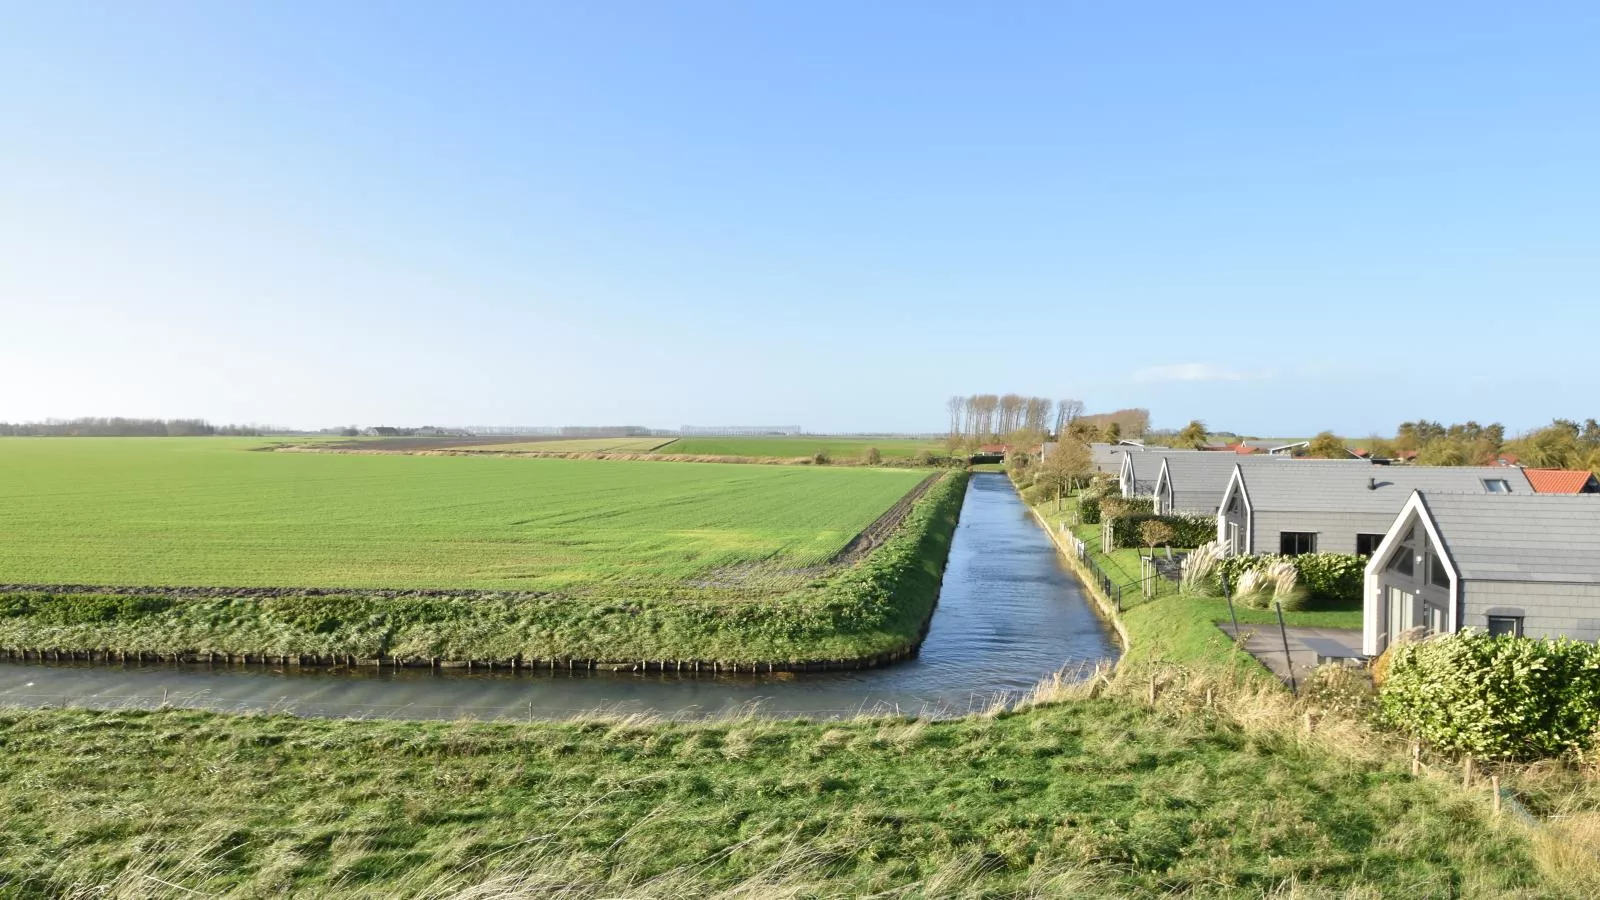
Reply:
x=836, y=215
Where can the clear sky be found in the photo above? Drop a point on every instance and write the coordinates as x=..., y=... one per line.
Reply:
x=1275, y=218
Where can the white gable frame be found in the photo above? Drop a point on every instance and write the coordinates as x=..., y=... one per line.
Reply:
x=1415, y=510
x=1163, y=484
x=1236, y=485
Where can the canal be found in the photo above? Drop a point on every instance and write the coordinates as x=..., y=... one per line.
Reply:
x=1009, y=615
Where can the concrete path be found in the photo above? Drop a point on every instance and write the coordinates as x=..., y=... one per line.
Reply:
x=1306, y=646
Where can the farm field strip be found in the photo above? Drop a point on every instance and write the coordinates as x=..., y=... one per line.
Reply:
x=199, y=512
x=578, y=445
x=790, y=447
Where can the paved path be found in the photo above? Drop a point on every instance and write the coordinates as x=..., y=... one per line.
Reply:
x=1305, y=646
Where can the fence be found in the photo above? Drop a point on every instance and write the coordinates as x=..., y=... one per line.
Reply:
x=1149, y=586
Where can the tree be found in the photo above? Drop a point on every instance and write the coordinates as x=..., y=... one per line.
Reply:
x=1327, y=445
x=873, y=457
x=1193, y=435
x=1067, y=466
x=1113, y=433
x=1154, y=533
x=955, y=405
x=1067, y=412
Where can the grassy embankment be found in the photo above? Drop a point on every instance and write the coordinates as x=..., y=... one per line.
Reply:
x=458, y=559
x=1091, y=797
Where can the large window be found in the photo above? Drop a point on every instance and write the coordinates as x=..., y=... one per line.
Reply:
x=1294, y=543
x=1505, y=625
x=1367, y=544
x=1437, y=575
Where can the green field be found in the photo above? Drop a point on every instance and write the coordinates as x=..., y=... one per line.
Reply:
x=177, y=511
x=531, y=559
x=794, y=447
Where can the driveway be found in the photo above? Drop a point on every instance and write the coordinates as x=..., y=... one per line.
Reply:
x=1306, y=646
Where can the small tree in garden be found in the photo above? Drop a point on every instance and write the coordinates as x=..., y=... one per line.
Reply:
x=1067, y=466
x=1113, y=433
x=1154, y=532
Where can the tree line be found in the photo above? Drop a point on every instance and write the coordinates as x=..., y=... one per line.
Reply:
x=1563, y=444
x=121, y=427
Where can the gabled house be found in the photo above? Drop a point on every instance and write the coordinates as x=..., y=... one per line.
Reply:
x=1193, y=483
x=1562, y=481
x=1336, y=506
x=1139, y=471
x=1520, y=563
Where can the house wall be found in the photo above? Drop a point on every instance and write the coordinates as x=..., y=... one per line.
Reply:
x=1548, y=610
x=1336, y=532
x=1199, y=503
x=1227, y=520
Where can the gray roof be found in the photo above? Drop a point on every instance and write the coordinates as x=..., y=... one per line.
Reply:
x=1520, y=537
x=1355, y=487
x=1200, y=479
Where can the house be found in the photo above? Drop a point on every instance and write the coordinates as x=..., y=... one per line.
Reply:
x=1137, y=476
x=1193, y=483
x=1562, y=481
x=1108, y=457
x=1336, y=506
x=1519, y=563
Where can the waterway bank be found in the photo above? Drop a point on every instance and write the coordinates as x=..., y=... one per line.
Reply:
x=1009, y=614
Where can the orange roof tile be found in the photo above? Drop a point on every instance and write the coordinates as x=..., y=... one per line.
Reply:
x=1558, y=481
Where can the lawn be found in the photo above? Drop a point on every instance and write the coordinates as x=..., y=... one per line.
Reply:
x=1092, y=798
x=202, y=511
x=794, y=447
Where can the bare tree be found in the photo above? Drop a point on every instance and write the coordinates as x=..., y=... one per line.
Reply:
x=1067, y=412
x=955, y=405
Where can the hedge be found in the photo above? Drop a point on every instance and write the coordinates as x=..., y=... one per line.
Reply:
x=1327, y=577
x=1495, y=697
x=1187, y=531
x=1089, y=510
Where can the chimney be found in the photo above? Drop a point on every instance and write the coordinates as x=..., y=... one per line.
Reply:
x=1372, y=484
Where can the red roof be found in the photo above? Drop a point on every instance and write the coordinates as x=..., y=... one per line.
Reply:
x=1558, y=481
x=993, y=448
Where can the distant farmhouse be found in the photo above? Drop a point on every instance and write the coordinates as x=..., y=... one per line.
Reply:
x=1517, y=563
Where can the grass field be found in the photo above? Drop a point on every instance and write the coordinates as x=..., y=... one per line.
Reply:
x=1091, y=798
x=612, y=562
x=202, y=511
x=792, y=447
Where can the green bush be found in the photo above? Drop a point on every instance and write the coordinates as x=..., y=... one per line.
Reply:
x=1496, y=697
x=1187, y=531
x=1326, y=577
x=1089, y=509
x=873, y=456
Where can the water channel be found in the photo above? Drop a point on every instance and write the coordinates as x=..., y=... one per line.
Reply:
x=1009, y=615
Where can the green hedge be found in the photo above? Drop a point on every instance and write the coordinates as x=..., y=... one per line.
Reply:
x=1496, y=697
x=1089, y=510
x=1187, y=531
x=1327, y=577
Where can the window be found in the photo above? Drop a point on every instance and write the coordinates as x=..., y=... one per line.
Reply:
x=1497, y=485
x=1294, y=543
x=1233, y=503
x=1505, y=625
x=1402, y=562
x=1437, y=575
x=1367, y=544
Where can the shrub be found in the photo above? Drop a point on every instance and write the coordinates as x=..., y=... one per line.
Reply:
x=821, y=458
x=1326, y=577
x=924, y=458
x=1089, y=509
x=1187, y=531
x=873, y=457
x=1496, y=697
